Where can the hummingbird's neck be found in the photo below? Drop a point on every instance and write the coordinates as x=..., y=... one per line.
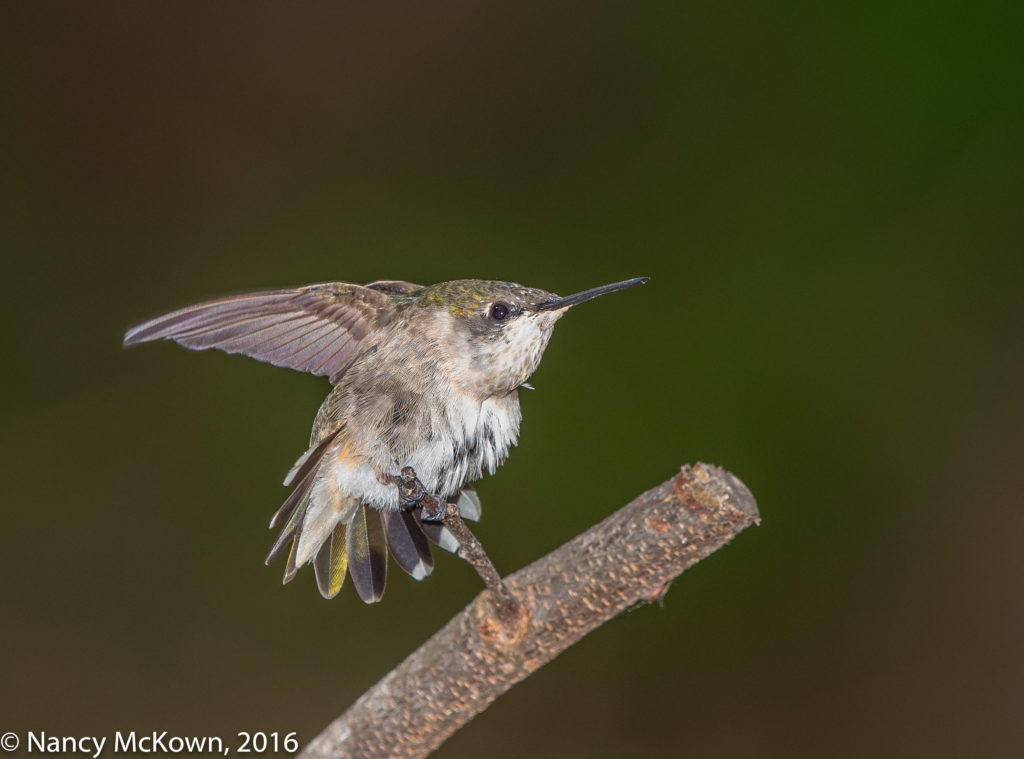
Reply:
x=488, y=364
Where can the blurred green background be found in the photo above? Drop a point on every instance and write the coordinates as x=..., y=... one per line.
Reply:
x=828, y=201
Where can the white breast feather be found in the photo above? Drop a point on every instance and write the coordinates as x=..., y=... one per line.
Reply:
x=474, y=437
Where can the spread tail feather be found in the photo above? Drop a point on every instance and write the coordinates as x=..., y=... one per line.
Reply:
x=469, y=503
x=338, y=535
x=309, y=460
x=331, y=563
x=408, y=544
x=302, y=475
x=288, y=531
x=440, y=536
x=367, y=554
x=469, y=507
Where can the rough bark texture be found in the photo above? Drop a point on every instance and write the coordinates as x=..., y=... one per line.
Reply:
x=628, y=558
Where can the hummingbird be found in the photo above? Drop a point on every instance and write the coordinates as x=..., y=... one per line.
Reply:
x=422, y=377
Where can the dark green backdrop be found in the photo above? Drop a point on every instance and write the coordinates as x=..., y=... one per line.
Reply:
x=828, y=201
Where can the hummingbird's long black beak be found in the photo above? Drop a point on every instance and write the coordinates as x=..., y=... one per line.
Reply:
x=571, y=300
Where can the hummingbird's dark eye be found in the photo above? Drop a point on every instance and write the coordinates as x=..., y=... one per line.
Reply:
x=500, y=312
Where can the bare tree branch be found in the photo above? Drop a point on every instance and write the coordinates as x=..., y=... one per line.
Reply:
x=483, y=651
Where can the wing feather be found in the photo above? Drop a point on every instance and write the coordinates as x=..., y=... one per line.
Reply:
x=316, y=329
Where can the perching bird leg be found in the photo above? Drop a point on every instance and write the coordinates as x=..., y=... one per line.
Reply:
x=412, y=493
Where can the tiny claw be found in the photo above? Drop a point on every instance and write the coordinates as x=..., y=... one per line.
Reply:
x=432, y=509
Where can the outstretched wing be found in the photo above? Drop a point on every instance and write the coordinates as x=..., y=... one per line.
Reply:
x=317, y=328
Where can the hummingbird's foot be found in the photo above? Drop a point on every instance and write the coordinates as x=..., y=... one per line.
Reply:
x=412, y=494
x=432, y=509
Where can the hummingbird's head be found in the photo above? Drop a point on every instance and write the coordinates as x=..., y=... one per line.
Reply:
x=494, y=333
